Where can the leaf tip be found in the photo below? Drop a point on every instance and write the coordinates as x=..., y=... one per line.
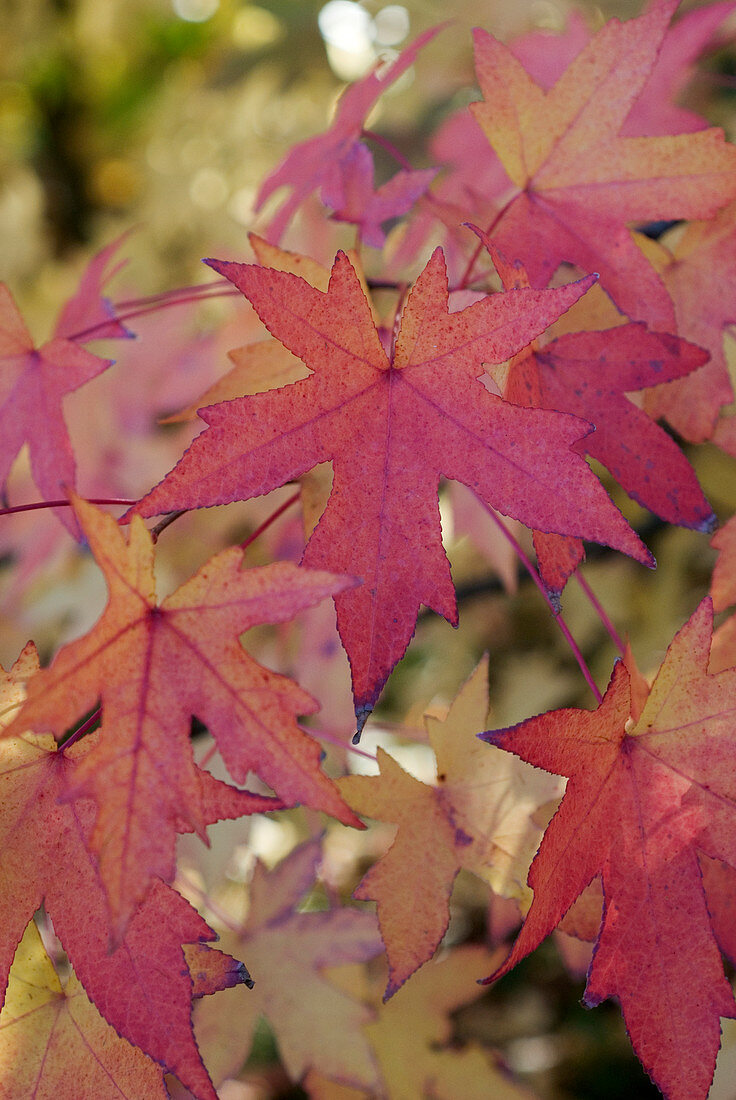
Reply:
x=216, y=265
x=392, y=986
x=362, y=714
x=244, y=976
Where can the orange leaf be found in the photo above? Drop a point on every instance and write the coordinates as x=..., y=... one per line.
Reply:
x=478, y=815
x=54, y=1042
x=154, y=667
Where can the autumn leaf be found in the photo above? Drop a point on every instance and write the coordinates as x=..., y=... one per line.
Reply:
x=644, y=798
x=574, y=182
x=350, y=191
x=54, y=1042
x=545, y=57
x=314, y=1022
x=411, y=1037
x=477, y=815
x=34, y=382
x=590, y=374
x=263, y=364
x=659, y=109
x=311, y=164
x=704, y=307
x=413, y=1042
x=88, y=315
x=142, y=988
x=154, y=666
x=391, y=428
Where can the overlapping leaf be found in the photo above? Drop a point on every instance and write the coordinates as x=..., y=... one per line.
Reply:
x=478, y=815
x=34, y=381
x=644, y=798
x=574, y=182
x=590, y=374
x=545, y=57
x=154, y=666
x=392, y=427
x=349, y=189
x=54, y=1042
x=700, y=275
x=411, y=1036
x=311, y=164
x=143, y=988
x=315, y=1023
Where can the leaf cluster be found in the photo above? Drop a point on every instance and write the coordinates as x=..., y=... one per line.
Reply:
x=526, y=334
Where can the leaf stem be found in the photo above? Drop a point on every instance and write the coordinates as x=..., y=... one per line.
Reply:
x=166, y=522
x=465, y=280
x=85, y=727
x=217, y=292
x=195, y=290
x=601, y=612
x=60, y=504
x=390, y=148
x=271, y=519
x=526, y=562
x=323, y=734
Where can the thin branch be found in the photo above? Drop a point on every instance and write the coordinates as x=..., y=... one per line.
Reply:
x=217, y=292
x=465, y=280
x=166, y=522
x=61, y=504
x=81, y=730
x=601, y=612
x=271, y=519
x=195, y=290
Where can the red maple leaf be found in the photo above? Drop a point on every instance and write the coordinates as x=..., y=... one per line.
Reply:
x=574, y=182
x=545, y=57
x=349, y=189
x=311, y=164
x=34, y=381
x=143, y=987
x=88, y=314
x=392, y=426
x=590, y=374
x=154, y=666
x=644, y=798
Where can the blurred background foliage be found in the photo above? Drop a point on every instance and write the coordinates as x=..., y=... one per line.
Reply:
x=165, y=115
x=168, y=113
